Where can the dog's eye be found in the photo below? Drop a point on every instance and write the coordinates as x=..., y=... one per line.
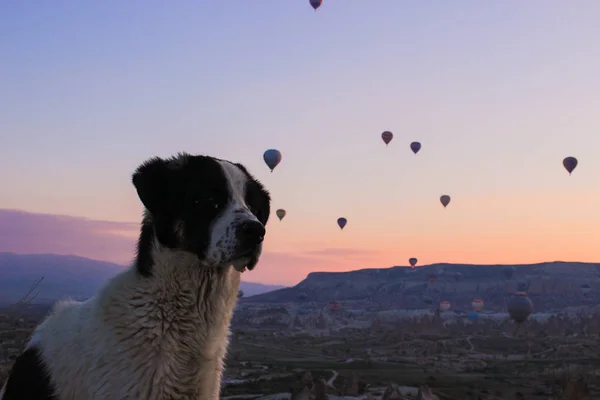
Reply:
x=206, y=202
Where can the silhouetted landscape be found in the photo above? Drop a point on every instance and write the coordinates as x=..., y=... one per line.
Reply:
x=552, y=286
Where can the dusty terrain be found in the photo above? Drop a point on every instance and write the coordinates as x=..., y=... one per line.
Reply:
x=490, y=358
x=362, y=356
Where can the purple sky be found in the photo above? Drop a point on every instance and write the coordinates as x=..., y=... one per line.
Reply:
x=497, y=92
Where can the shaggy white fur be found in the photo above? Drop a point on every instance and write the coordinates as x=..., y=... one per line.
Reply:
x=157, y=338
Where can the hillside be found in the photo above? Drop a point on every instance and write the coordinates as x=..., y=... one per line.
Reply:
x=551, y=285
x=67, y=276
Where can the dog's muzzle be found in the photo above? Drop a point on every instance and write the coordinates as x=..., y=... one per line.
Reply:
x=250, y=235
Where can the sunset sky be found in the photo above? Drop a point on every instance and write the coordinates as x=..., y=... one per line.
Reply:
x=498, y=93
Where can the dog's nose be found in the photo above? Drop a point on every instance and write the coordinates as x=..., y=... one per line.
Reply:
x=252, y=232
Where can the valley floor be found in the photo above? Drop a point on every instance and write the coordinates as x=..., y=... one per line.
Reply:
x=481, y=362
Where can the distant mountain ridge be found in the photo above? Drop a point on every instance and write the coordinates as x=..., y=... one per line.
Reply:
x=67, y=276
x=549, y=284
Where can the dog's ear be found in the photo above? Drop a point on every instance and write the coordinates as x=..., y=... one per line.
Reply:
x=151, y=180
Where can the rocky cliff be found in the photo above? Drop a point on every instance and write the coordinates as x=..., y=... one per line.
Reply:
x=550, y=285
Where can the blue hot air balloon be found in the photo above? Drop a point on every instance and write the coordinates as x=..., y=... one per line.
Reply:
x=570, y=163
x=272, y=158
x=415, y=147
x=342, y=222
x=473, y=316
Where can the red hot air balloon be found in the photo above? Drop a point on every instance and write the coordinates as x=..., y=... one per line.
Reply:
x=445, y=200
x=387, y=137
x=316, y=4
x=570, y=163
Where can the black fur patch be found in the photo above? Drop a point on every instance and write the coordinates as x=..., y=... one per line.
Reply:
x=257, y=198
x=29, y=379
x=191, y=191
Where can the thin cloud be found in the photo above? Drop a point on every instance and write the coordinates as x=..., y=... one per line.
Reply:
x=342, y=252
x=32, y=233
x=290, y=267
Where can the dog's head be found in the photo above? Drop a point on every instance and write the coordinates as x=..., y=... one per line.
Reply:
x=202, y=205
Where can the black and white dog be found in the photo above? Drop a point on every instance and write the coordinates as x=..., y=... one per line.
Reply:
x=158, y=331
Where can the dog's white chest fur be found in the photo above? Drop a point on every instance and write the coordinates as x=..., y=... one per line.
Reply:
x=155, y=338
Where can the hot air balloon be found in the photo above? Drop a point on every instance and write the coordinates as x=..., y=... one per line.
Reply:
x=342, y=222
x=444, y=306
x=445, y=200
x=415, y=147
x=520, y=307
x=509, y=271
x=334, y=305
x=412, y=261
x=477, y=305
x=280, y=213
x=387, y=137
x=585, y=289
x=240, y=294
x=473, y=316
x=272, y=158
x=316, y=4
x=570, y=163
